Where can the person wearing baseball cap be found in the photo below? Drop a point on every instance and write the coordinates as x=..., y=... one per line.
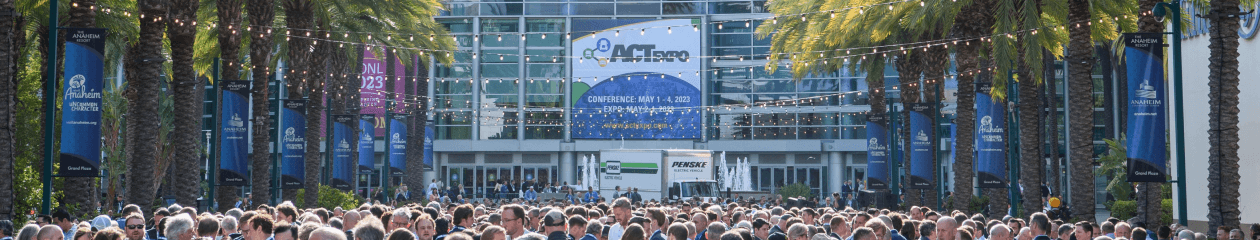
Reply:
x=554, y=225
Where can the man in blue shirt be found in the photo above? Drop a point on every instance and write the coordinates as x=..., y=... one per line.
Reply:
x=591, y=195
x=593, y=230
x=530, y=194
x=463, y=219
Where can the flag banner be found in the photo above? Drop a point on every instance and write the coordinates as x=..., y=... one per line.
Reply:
x=367, y=144
x=922, y=158
x=990, y=139
x=428, y=146
x=341, y=172
x=397, y=144
x=877, y=151
x=234, y=134
x=372, y=95
x=293, y=135
x=81, y=106
x=637, y=86
x=953, y=142
x=1147, y=151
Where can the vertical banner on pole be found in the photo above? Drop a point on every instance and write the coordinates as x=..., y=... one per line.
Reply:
x=1144, y=55
x=81, y=106
x=428, y=146
x=233, y=137
x=877, y=151
x=922, y=158
x=341, y=169
x=397, y=144
x=990, y=139
x=367, y=144
x=293, y=152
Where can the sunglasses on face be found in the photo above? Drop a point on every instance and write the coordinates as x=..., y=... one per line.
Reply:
x=135, y=226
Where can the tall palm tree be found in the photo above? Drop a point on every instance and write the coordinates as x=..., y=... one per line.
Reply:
x=1081, y=106
x=1223, y=80
x=185, y=85
x=973, y=21
x=8, y=105
x=144, y=74
x=318, y=67
x=417, y=100
x=229, y=42
x=299, y=19
x=261, y=14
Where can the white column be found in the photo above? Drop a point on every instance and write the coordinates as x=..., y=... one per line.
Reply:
x=836, y=163
x=566, y=168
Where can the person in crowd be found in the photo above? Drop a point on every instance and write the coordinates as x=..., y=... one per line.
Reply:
x=50, y=232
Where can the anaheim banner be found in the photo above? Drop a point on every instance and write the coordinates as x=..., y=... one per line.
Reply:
x=293, y=135
x=342, y=172
x=637, y=79
x=233, y=137
x=397, y=144
x=990, y=139
x=1147, y=149
x=367, y=144
x=81, y=106
x=877, y=151
x=922, y=158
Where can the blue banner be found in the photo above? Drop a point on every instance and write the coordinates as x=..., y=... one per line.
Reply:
x=1144, y=56
x=428, y=145
x=367, y=144
x=398, y=144
x=81, y=107
x=293, y=153
x=342, y=173
x=234, y=135
x=922, y=158
x=990, y=139
x=638, y=106
x=877, y=151
x=953, y=142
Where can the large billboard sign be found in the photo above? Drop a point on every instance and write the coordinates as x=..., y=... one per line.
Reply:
x=372, y=95
x=636, y=79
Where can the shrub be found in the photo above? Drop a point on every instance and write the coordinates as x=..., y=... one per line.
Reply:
x=1166, y=207
x=1124, y=209
x=329, y=198
x=795, y=190
x=978, y=204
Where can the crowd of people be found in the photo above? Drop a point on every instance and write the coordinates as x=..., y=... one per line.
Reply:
x=619, y=219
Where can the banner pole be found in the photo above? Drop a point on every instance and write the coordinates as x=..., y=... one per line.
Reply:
x=1013, y=145
x=50, y=108
x=940, y=186
x=214, y=135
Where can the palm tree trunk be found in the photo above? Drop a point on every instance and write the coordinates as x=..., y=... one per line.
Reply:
x=298, y=19
x=1051, y=102
x=909, y=70
x=261, y=13
x=145, y=73
x=1151, y=194
x=314, y=113
x=353, y=106
x=187, y=134
x=1081, y=108
x=1031, y=162
x=975, y=21
x=1223, y=175
x=8, y=106
x=229, y=27
x=417, y=90
x=936, y=64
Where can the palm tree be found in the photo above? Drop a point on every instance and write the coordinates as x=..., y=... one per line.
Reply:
x=229, y=43
x=261, y=14
x=8, y=105
x=973, y=21
x=298, y=19
x=144, y=74
x=416, y=127
x=1223, y=80
x=318, y=67
x=181, y=30
x=1081, y=107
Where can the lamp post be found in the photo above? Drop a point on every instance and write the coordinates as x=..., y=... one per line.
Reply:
x=50, y=109
x=1173, y=8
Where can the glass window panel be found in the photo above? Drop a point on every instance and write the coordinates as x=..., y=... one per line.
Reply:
x=499, y=25
x=453, y=101
x=460, y=9
x=495, y=117
x=819, y=133
x=454, y=87
x=454, y=132
x=544, y=25
x=592, y=8
x=817, y=118
x=500, y=9
x=549, y=118
x=498, y=132
x=732, y=40
x=501, y=40
x=462, y=25
x=500, y=70
x=454, y=71
x=544, y=86
x=545, y=55
x=551, y=40
x=729, y=53
x=732, y=73
x=499, y=56
x=761, y=53
x=545, y=70
x=638, y=8
x=732, y=86
x=544, y=8
x=817, y=85
x=759, y=7
x=500, y=101
x=682, y=8
x=498, y=86
x=453, y=118
x=732, y=98
x=764, y=86
x=775, y=119
x=546, y=100
x=764, y=179
x=772, y=97
x=730, y=7
x=532, y=132
x=732, y=27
